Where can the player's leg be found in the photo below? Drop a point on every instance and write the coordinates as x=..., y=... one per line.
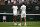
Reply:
x=20, y=20
x=4, y=20
x=15, y=14
x=15, y=20
x=25, y=20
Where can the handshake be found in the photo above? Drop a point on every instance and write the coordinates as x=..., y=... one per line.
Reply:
x=18, y=12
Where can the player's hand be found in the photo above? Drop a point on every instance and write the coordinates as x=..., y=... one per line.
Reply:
x=18, y=11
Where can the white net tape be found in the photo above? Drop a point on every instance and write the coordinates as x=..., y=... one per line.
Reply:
x=18, y=14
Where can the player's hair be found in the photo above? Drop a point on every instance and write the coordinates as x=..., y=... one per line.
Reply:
x=22, y=3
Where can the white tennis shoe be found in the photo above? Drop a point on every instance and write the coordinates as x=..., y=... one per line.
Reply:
x=15, y=24
x=19, y=24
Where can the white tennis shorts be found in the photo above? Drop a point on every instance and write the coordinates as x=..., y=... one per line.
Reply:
x=14, y=13
x=4, y=17
x=23, y=15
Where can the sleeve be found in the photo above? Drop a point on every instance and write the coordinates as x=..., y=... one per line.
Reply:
x=21, y=7
x=17, y=7
x=25, y=8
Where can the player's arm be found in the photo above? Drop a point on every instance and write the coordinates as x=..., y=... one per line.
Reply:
x=20, y=9
x=17, y=8
x=12, y=7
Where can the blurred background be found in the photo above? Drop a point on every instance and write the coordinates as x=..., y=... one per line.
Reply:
x=32, y=7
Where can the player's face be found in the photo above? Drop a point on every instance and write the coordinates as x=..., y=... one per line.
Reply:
x=15, y=4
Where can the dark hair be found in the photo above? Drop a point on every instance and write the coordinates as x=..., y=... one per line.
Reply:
x=22, y=3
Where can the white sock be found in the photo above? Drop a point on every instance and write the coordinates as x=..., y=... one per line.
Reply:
x=20, y=23
x=25, y=23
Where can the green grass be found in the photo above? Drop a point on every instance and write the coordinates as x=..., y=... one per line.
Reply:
x=29, y=24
